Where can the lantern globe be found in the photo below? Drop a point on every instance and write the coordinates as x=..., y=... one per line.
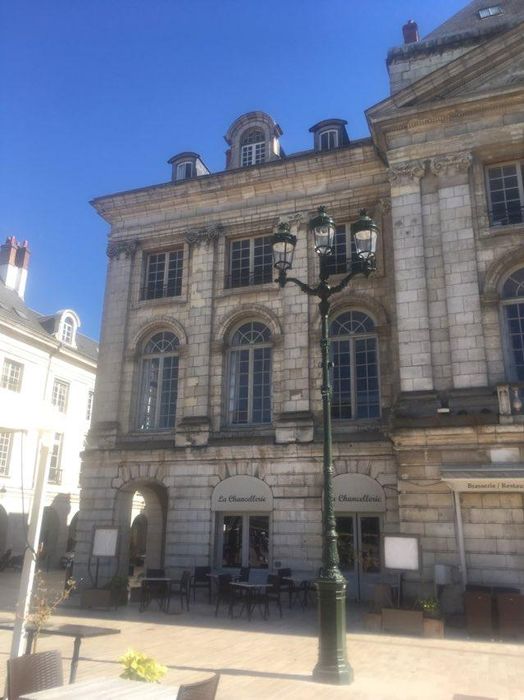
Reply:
x=283, y=243
x=323, y=228
x=365, y=233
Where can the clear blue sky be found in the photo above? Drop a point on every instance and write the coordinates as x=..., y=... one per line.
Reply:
x=96, y=95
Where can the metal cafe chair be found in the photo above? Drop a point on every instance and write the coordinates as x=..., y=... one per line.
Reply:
x=203, y=690
x=181, y=589
x=224, y=593
x=201, y=579
x=34, y=672
x=273, y=594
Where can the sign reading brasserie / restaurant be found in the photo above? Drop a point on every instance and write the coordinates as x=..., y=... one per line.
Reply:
x=485, y=485
x=359, y=493
x=242, y=493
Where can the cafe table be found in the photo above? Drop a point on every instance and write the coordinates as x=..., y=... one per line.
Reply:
x=252, y=595
x=106, y=689
x=78, y=632
x=151, y=585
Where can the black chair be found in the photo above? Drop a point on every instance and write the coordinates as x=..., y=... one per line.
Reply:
x=272, y=594
x=244, y=574
x=181, y=589
x=5, y=558
x=286, y=586
x=224, y=593
x=155, y=573
x=200, y=579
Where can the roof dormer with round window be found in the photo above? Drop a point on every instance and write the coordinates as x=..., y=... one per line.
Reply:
x=253, y=139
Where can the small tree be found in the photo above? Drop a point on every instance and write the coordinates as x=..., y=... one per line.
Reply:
x=43, y=605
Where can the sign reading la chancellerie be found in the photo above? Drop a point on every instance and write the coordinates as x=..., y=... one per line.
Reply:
x=359, y=493
x=242, y=493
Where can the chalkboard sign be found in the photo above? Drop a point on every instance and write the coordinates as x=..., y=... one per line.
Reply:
x=401, y=552
x=105, y=541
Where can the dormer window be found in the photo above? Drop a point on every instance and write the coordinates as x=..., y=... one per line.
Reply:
x=328, y=139
x=184, y=170
x=68, y=331
x=253, y=147
x=490, y=11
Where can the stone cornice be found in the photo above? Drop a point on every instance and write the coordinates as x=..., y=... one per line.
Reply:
x=451, y=163
x=406, y=173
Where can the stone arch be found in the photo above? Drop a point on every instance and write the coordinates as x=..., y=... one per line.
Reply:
x=158, y=324
x=71, y=533
x=251, y=120
x=49, y=535
x=499, y=269
x=360, y=301
x=249, y=312
x=155, y=504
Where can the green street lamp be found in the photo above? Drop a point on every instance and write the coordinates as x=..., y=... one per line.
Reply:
x=332, y=665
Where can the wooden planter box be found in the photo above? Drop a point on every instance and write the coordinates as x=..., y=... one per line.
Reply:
x=373, y=622
x=433, y=628
x=97, y=598
x=397, y=621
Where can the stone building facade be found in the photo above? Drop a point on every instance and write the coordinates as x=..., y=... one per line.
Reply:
x=47, y=382
x=208, y=393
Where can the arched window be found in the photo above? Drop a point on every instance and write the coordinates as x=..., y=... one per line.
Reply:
x=68, y=330
x=355, y=366
x=159, y=382
x=253, y=147
x=513, y=303
x=249, y=389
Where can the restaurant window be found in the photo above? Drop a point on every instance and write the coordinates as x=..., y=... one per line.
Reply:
x=243, y=540
x=55, y=465
x=163, y=275
x=5, y=451
x=12, y=375
x=159, y=382
x=513, y=319
x=505, y=184
x=249, y=387
x=60, y=395
x=252, y=147
x=343, y=251
x=250, y=262
x=355, y=374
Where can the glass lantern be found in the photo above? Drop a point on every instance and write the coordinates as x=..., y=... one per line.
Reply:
x=365, y=231
x=323, y=228
x=284, y=243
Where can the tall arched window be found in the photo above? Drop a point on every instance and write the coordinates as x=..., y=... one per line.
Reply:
x=513, y=303
x=159, y=382
x=68, y=330
x=249, y=389
x=253, y=147
x=355, y=375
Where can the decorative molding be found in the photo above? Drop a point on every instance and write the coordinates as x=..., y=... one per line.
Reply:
x=206, y=234
x=405, y=173
x=451, y=163
x=116, y=248
x=293, y=219
x=384, y=205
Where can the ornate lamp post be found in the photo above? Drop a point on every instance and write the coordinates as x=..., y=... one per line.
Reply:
x=332, y=665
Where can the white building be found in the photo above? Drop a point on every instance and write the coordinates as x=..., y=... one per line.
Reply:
x=47, y=377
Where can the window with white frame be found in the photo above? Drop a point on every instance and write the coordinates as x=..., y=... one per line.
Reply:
x=355, y=373
x=249, y=386
x=68, y=330
x=163, y=275
x=159, y=382
x=60, y=395
x=328, y=139
x=5, y=451
x=490, y=11
x=55, y=463
x=252, y=147
x=242, y=540
x=184, y=170
x=513, y=311
x=12, y=375
x=505, y=185
x=343, y=251
x=89, y=407
x=250, y=262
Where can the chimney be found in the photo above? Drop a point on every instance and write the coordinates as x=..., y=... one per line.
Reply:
x=14, y=263
x=410, y=32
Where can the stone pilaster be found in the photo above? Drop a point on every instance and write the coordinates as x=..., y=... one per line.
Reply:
x=468, y=359
x=410, y=277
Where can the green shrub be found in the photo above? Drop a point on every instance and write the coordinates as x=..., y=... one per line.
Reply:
x=139, y=667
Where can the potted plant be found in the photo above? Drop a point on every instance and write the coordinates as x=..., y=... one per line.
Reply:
x=139, y=667
x=433, y=622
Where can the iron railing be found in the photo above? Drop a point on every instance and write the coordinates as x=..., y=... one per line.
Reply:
x=241, y=279
x=156, y=291
x=503, y=215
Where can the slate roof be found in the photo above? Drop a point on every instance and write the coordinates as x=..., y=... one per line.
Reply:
x=15, y=311
x=467, y=20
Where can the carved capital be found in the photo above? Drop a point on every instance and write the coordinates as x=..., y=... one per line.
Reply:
x=451, y=163
x=405, y=173
x=116, y=248
x=384, y=205
x=205, y=235
x=294, y=219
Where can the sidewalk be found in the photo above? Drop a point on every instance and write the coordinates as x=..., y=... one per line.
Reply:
x=273, y=658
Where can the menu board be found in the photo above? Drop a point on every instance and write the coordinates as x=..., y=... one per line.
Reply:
x=105, y=541
x=401, y=552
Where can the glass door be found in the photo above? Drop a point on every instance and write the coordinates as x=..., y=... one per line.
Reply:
x=359, y=553
x=242, y=540
x=347, y=552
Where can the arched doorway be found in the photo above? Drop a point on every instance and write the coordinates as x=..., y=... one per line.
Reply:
x=141, y=512
x=49, y=533
x=71, y=534
x=3, y=529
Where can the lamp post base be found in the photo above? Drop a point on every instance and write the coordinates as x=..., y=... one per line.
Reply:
x=332, y=666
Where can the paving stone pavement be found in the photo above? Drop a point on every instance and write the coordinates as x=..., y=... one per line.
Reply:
x=274, y=658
